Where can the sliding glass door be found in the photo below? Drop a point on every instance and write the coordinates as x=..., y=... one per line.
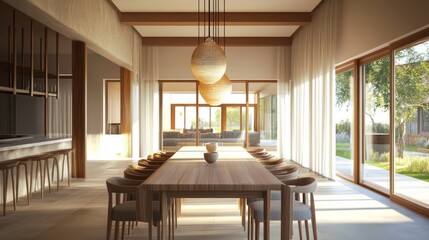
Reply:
x=411, y=173
x=375, y=167
x=389, y=113
x=344, y=123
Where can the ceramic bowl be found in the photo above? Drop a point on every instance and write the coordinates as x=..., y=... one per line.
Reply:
x=211, y=157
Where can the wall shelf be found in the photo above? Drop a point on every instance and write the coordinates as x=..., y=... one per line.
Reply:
x=30, y=62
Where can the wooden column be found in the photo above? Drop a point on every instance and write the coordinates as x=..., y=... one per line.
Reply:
x=126, y=108
x=79, y=65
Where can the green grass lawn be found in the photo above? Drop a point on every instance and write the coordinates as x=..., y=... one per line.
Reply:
x=343, y=150
x=400, y=170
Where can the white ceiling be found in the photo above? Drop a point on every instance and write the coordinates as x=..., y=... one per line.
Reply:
x=169, y=6
x=231, y=5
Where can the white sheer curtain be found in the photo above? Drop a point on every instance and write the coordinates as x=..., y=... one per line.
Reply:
x=135, y=96
x=283, y=103
x=313, y=83
x=59, y=116
x=149, y=102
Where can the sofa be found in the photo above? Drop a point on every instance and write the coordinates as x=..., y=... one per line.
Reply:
x=174, y=138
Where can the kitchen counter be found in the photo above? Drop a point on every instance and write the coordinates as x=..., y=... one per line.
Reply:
x=31, y=145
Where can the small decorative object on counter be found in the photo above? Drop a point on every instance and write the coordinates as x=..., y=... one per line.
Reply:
x=211, y=147
x=210, y=157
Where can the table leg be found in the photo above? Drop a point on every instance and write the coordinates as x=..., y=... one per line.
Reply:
x=267, y=215
x=164, y=209
x=286, y=214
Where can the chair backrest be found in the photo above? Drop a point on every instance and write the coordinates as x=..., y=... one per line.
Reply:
x=287, y=176
x=272, y=161
x=302, y=185
x=145, y=163
x=121, y=185
x=130, y=174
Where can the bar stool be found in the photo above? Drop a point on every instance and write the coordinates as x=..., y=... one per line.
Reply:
x=23, y=162
x=64, y=154
x=40, y=160
x=6, y=167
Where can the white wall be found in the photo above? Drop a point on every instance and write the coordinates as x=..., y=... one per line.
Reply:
x=243, y=63
x=366, y=25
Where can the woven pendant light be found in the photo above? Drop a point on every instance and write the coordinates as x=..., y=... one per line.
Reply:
x=214, y=93
x=208, y=62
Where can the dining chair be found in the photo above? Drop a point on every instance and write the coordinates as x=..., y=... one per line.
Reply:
x=303, y=208
x=122, y=206
x=254, y=150
x=271, y=161
x=147, y=164
x=288, y=172
x=140, y=169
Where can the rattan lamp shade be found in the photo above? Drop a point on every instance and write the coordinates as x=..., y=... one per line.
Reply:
x=214, y=93
x=208, y=62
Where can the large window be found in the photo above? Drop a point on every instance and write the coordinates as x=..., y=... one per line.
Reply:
x=265, y=95
x=251, y=103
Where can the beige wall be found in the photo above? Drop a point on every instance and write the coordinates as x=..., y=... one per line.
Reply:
x=243, y=63
x=366, y=25
x=99, y=68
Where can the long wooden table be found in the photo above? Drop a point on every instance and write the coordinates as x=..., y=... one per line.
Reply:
x=236, y=174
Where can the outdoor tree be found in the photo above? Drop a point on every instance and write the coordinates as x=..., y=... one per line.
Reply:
x=411, y=87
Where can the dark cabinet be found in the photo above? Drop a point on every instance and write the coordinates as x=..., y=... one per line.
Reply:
x=29, y=55
x=6, y=25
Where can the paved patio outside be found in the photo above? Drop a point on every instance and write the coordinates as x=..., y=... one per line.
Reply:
x=404, y=185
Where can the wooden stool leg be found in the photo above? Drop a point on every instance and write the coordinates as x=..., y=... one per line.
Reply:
x=17, y=183
x=46, y=171
x=42, y=178
x=26, y=183
x=31, y=179
x=68, y=169
x=5, y=177
x=13, y=189
x=55, y=163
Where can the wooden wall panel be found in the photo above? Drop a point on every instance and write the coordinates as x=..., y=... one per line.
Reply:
x=79, y=68
x=126, y=108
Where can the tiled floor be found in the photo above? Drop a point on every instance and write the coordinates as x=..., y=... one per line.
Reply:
x=344, y=211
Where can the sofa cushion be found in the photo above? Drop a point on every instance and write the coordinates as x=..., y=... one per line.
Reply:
x=232, y=134
x=171, y=135
x=209, y=135
x=188, y=135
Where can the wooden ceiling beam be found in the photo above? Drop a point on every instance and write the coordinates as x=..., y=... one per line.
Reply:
x=230, y=41
x=232, y=19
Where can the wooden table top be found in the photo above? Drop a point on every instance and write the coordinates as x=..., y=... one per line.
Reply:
x=235, y=170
